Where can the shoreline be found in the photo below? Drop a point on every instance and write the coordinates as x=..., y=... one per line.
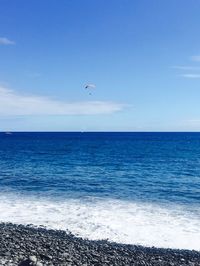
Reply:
x=22, y=245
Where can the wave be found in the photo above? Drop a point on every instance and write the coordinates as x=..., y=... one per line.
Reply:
x=116, y=220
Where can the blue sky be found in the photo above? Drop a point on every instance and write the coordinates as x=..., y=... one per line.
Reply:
x=143, y=56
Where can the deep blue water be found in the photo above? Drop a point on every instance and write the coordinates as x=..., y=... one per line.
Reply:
x=150, y=167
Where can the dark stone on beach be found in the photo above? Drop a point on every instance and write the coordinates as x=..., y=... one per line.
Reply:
x=45, y=257
x=25, y=246
x=26, y=263
x=31, y=261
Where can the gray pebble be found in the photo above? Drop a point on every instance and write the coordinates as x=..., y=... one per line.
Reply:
x=28, y=246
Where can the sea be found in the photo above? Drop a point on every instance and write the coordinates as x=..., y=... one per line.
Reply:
x=138, y=188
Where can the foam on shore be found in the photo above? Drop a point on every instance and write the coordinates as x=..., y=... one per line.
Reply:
x=119, y=221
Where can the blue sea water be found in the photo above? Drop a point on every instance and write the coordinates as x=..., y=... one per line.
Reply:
x=138, y=188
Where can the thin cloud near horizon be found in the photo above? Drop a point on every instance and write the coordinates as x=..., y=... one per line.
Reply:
x=191, y=76
x=12, y=103
x=196, y=69
x=186, y=68
x=6, y=41
x=195, y=58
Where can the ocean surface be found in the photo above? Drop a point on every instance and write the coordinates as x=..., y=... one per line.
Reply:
x=135, y=188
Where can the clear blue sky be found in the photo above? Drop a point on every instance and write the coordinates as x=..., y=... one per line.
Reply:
x=143, y=56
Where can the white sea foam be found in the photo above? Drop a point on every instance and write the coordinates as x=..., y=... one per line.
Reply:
x=119, y=221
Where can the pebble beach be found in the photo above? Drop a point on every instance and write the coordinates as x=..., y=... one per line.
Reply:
x=27, y=245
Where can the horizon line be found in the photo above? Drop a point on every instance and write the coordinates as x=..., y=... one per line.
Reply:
x=91, y=131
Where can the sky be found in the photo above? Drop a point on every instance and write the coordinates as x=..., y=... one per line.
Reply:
x=143, y=57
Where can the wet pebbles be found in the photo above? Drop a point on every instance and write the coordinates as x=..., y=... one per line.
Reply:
x=25, y=245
